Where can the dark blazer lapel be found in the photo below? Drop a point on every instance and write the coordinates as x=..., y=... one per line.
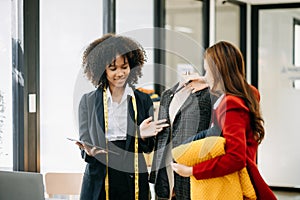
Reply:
x=100, y=114
x=164, y=107
x=130, y=124
x=187, y=102
x=163, y=139
x=168, y=98
x=184, y=106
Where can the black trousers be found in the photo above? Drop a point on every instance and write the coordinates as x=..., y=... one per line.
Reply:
x=120, y=187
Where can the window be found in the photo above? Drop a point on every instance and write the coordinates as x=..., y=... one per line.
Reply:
x=296, y=42
x=6, y=152
x=134, y=19
x=63, y=38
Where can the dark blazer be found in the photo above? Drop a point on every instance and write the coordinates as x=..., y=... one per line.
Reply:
x=193, y=116
x=91, y=129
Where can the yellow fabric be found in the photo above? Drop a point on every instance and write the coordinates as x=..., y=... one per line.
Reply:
x=106, y=128
x=232, y=186
x=136, y=154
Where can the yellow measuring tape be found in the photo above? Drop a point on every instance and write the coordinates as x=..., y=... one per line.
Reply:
x=136, y=147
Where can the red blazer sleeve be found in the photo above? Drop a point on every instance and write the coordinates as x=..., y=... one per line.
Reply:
x=233, y=118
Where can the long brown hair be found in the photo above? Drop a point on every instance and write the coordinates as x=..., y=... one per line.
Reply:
x=228, y=69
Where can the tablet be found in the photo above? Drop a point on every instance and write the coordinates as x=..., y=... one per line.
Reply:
x=91, y=145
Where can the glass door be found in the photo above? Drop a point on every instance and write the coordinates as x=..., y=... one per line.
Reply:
x=278, y=156
x=228, y=22
x=184, y=39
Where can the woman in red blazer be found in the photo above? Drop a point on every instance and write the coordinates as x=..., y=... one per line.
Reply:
x=236, y=114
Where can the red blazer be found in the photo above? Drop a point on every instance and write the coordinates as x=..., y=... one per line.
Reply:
x=233, y=117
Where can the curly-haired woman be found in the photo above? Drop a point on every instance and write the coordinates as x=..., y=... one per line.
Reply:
x=115, y=121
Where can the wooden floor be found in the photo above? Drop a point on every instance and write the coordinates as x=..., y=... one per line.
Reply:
x=281, y=195
x=287, y=195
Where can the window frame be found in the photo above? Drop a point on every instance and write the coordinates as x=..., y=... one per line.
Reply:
x=296, y=22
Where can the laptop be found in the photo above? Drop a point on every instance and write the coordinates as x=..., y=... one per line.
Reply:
x=16, y=185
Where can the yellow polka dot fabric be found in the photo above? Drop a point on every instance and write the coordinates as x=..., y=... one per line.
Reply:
x=230, y=187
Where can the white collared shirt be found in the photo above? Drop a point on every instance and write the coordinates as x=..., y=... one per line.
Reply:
x=216, y=105
x=117, y=116
x=177, y=101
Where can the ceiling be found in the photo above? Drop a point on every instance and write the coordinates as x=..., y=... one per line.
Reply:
x=246, y=1
x=180, y=4
x=270, y=1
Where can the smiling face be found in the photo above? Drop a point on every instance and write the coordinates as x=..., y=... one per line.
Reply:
x=117, y=72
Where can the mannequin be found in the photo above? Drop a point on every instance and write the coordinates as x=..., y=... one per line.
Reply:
x=187, y=113
x=181, y=93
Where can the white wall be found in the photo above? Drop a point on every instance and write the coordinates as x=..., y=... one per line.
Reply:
x=66, y=27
